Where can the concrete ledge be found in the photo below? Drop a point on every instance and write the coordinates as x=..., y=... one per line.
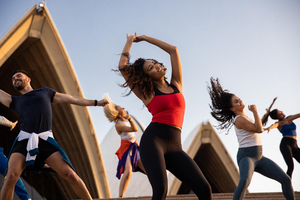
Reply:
x=216, y=196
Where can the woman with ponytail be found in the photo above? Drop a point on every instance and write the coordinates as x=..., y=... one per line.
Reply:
x=228, y=109
x=288, y=144
x=128, y=153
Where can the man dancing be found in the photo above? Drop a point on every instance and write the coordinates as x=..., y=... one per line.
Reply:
x=35, y=144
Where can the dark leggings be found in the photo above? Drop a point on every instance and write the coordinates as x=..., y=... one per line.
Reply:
x=289, y=149
x=160, y=149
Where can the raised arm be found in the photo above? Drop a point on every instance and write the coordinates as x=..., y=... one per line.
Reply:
x=244, y=123
x=123, y=128
x=123, y=64
x=5, y=98
x=65, y=98
x=293, y=117
x=176, y=78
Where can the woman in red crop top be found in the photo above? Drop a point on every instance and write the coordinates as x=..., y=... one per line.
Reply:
x=288, y=145
x=160, y=146
x=128, y=153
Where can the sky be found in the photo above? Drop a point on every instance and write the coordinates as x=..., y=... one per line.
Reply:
x=253, y=47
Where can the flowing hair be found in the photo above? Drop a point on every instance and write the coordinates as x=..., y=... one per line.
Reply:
x=137, y=77
x=221, y=104
x=110, y=110
x=272, y=114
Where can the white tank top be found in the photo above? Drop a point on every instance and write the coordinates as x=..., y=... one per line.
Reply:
x=246, y=138
x=126, y=135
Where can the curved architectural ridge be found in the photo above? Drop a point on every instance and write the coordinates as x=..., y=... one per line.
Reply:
x=34, y=45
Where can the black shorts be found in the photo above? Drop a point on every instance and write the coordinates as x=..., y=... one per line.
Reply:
x=45, y=149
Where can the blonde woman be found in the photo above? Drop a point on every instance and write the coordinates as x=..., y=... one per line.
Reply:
x=128, y=153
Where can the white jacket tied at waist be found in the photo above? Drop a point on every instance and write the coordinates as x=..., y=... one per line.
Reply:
x=33, y=142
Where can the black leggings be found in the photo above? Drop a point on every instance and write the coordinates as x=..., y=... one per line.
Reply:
x=160, y=149
x=289, y=149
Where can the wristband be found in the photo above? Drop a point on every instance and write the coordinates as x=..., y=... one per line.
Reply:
x=96, y=103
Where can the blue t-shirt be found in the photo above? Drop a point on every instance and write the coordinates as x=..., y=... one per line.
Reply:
x=34, y=109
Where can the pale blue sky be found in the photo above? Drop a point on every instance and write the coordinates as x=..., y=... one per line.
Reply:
x=253, y=47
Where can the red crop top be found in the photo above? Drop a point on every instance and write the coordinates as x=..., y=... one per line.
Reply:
x=167, y=108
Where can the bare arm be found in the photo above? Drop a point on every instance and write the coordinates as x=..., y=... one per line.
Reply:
x=293, y=117
x=275, y=125
x=176, y=78
x=65, y=98
x=124, y=61
x=244, y=123
x=123, y=128
x=5, y=98
x=6, y=122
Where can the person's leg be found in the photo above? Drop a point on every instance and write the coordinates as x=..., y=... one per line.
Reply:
x=271, y=170
x=20, y=189
x=125, y=177
x=296, y=151
x=16, y=165
x=56, y=162
x=286, y=151
x=152, y=147
x=246, y=168
x=140, y=165
x=186, y=170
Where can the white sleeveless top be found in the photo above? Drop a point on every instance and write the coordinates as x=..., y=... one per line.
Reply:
x=126, y=135
x=246, y=138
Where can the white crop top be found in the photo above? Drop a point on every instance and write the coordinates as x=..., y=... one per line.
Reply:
x=246, y=138
x=126, y=135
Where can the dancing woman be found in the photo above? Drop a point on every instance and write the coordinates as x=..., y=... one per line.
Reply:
x=288, y=144
x=228, y=109
x=161, y=142
x=128, y=153
x=20, y=189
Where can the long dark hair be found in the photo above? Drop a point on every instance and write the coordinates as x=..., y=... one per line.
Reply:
x=137, y=77
x=221, y=104
x=272, y=114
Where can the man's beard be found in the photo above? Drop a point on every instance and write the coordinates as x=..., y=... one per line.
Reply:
x=21, y=86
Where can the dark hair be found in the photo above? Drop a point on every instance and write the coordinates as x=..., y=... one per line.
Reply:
x=19, y=70
x=273, y=114
x=221, y=104
x=137, y=77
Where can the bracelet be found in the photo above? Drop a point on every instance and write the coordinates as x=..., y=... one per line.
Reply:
x=96, y=103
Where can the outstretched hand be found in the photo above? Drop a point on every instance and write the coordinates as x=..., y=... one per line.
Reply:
x=252, y=108
x=267, y=129
x=13, y=125
x=102, y=102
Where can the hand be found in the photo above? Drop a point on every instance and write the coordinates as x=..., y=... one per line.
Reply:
x=127, y=117
x=131, y=38
x=252, y=108
x=267, y=129
x=140, y=38
x=102, y=102
x=13, y=125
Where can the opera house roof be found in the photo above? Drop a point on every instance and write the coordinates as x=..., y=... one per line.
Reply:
x=34, y=45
